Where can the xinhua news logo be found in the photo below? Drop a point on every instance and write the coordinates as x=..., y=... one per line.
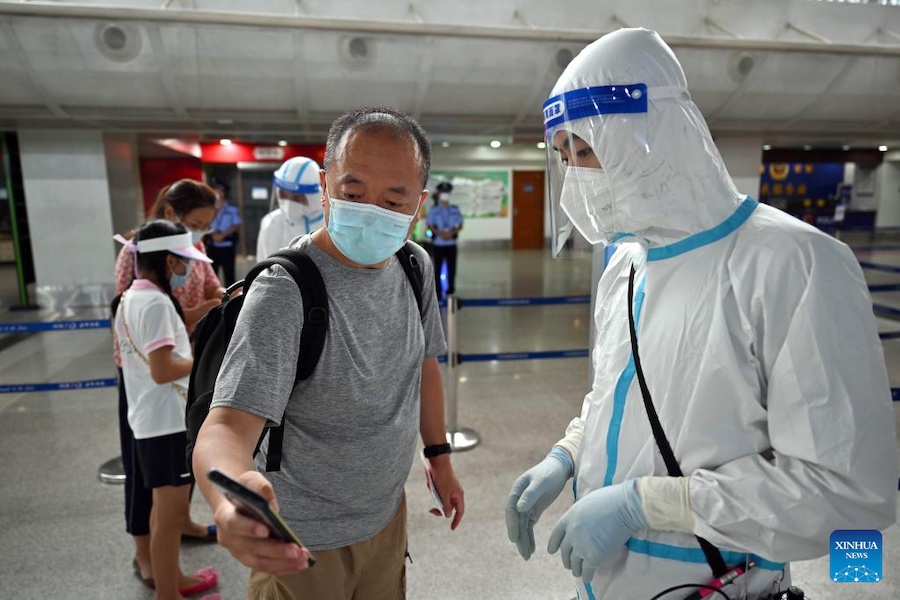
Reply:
x=856, y=556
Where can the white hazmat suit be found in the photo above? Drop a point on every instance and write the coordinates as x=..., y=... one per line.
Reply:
x=296, y=189
x=757, y=340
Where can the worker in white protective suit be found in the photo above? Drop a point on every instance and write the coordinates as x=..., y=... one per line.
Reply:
x=757, y=342
x=296, y=188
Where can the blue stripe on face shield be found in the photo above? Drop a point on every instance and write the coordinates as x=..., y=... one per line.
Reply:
x=619, y=396
x=295, y=186
x=595, y=101
x=299, y=188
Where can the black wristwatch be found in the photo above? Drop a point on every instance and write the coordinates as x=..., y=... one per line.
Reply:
x=437, y=450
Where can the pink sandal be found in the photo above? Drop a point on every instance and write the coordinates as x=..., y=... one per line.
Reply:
x=209, y=577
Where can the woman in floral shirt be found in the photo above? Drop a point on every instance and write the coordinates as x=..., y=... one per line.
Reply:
x=193, y=204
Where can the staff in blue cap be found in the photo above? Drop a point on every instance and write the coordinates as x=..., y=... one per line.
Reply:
x=295, y=187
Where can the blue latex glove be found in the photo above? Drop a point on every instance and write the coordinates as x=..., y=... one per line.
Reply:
x=530, y=496
x=596, y=525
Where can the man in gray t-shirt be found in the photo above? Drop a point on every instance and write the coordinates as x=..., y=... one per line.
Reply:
x=350, y=429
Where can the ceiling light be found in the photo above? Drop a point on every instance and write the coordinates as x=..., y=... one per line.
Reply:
x=767, y=147
x=883, y=148
x=542, y=145
x=225, y=142
x=282, y=143
x=495, y=144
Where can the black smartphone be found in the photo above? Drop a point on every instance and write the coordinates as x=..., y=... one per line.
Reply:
x=253, y=505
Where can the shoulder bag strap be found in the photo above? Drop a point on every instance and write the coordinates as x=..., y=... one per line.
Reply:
x=713, y=556
x=181, y=391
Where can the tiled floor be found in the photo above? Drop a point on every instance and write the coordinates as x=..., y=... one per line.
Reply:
x=61, y=529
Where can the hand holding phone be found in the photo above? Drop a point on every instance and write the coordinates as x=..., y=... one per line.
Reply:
x=251, y=504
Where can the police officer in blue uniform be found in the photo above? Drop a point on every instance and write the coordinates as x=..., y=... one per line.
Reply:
x=445, y=222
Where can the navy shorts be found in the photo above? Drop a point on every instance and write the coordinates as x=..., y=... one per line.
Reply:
x=163, y=460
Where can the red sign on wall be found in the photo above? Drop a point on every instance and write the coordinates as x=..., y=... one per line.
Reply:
x=214, y=152
x=157, y=173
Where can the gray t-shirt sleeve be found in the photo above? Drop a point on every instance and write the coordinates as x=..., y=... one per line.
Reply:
x=257, y=374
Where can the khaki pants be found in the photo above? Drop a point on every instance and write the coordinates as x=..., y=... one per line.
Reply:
x=371, y=570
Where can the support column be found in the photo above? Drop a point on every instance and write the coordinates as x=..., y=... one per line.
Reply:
x=886, y=193
x=67, y=195
x=124, y=176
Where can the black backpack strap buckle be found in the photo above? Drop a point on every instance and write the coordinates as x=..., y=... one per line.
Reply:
x=318, y=315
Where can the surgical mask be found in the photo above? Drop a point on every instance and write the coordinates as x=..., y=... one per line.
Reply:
x=365, y=233
x=444, y=197
x=587, y=200
x=296, y=212
x=176, y=280
x=196, y=236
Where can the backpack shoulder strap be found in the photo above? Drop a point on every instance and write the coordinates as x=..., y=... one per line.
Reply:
x=410, y=265
x=315, y=325
x=315, y=303
x=315, y=308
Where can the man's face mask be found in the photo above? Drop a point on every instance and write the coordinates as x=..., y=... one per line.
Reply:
x=365, y=233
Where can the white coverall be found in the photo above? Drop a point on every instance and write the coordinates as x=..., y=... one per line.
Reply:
x=275, y=233
x=758, y=343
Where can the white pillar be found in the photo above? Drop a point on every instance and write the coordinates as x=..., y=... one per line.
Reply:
x=124, y=174
x=743, y=157
x=885, y=191
x=67, y=198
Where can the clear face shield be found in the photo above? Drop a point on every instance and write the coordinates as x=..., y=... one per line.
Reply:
x=593, y=136
x=298, y=205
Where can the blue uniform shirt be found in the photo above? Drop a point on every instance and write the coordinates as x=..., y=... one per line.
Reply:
x=443, y=218
x=226, y=218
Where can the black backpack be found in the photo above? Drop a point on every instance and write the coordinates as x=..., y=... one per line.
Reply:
x=213, y=333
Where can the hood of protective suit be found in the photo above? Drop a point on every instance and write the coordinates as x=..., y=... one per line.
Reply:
x=295, y=178
x=664, y=176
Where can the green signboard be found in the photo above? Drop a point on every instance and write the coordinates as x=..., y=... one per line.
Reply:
x=477, y=193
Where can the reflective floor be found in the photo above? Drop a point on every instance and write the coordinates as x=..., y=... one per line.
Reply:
x=62, y=529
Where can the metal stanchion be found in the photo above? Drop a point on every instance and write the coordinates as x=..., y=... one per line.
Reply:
x=460, y=438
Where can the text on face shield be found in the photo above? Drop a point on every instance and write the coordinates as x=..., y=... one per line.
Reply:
x=553, y=110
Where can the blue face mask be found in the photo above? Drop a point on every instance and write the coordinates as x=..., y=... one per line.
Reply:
x=365, y=233
x=196, y=236
x=176, y=280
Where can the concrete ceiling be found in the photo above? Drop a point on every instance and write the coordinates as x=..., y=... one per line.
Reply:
x=793, y=71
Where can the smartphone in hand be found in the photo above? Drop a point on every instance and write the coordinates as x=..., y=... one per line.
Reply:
x=432, y=487
x=253, y=505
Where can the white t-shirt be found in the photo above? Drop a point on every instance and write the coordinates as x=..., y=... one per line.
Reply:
x=154, y=409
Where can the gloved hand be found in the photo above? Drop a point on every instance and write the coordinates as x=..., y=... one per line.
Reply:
x=597, y=525
x=530, y=496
